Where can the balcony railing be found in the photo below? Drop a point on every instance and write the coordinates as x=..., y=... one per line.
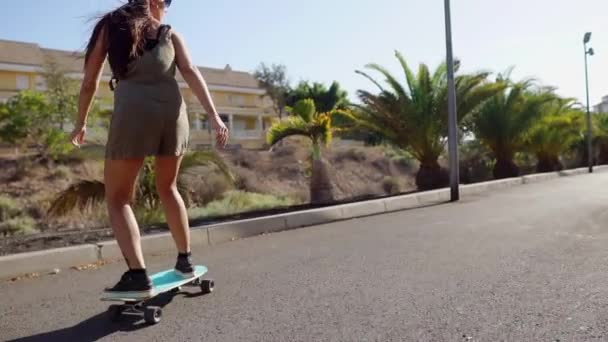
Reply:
x=234, y=134
x=247, y=134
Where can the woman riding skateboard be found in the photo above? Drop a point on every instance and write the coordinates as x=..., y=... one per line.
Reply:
x=149, y=119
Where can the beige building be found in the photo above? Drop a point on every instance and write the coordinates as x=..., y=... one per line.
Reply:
x=602, y=107
x=239, y=99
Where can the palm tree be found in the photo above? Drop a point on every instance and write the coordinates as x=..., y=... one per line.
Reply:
x=503, y=121
x=414, y=116
x=87, y=193
x=600, y=134
x=557, y=131
x=326, y=99
x=308, y=122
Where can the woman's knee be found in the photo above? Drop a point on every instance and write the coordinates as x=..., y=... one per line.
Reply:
x=118, y=197
x=167, y=191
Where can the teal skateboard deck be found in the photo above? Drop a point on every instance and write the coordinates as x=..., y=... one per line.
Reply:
x=162, y=282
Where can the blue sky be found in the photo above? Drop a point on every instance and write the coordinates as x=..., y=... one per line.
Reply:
x=326, y=40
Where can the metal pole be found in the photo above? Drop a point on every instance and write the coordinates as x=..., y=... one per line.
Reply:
x=452, y=115
x=589, y=130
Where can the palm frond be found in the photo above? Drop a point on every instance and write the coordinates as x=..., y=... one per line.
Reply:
x=414, y=114
x=305, y=109
x=371, y=79
x=321, y=128
x=81, y=195
x=473, y=90
x=555, y=132
x=389, y=79
x=409, y=75
x=291, y=127
x=504, y=121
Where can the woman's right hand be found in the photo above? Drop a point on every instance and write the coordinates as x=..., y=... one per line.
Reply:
x=221, y=132
x=77, y=136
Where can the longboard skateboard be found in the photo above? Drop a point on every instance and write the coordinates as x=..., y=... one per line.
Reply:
x=162, y=282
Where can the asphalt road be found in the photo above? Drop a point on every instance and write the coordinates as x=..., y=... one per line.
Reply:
x=529, y=263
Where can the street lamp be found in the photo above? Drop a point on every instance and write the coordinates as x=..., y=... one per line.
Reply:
x=452, y=122
x=588, y=52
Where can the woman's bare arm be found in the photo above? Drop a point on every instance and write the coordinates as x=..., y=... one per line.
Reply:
x=197, y=84
x=92, y=74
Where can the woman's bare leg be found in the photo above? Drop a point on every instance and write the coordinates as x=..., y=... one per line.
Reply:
x=120, y=177
x=167, y=169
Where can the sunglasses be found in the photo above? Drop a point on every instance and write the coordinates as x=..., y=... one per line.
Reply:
x=168, y=3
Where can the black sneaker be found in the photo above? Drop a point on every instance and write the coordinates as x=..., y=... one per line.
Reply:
x=132, y=284
x=184, y=267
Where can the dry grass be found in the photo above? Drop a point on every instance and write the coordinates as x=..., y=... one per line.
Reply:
x=236, y=202
x=206, y=184
x=355, y=171
x=282, y=172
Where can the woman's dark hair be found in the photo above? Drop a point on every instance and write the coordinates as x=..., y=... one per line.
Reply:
x=125, y=32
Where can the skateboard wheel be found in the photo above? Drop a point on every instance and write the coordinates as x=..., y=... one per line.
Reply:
x=115, y=312
x=207, y=286
x=176, y=290
x=152, y=314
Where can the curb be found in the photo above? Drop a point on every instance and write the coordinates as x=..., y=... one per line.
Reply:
x=231, y=231
x=205, y=236
x=45, y=261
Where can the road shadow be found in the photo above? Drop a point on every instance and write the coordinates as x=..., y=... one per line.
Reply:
x=101, y=325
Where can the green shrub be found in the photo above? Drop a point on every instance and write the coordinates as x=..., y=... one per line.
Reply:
x=148, y=217
x=57, y=144
x=8, y=208
x=391, y=186
x=13, y=221
x=21, y=225
x=400, y=157
x=526, y=162
x=235, y=202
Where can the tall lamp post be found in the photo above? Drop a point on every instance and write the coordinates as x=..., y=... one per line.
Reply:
x=452, y=121
x=588, y=52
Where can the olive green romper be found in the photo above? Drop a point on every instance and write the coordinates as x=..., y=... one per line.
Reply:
x=150, y=117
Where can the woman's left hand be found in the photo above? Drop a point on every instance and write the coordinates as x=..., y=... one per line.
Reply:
x=77, y=136
x=221, y=132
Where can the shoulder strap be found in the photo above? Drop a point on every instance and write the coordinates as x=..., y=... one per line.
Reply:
x=163, y=31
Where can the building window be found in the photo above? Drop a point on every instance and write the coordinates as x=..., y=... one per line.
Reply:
x=239, y=125
x=23, y=82
x=240, y=100
x=230, y=99
x=197, y=124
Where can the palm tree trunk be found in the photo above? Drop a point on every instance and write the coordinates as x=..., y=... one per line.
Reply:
x=584, y=153
x=505, y=168
x=602, y=148
x=321, y=190
x=548, y=164
x=431, y=176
